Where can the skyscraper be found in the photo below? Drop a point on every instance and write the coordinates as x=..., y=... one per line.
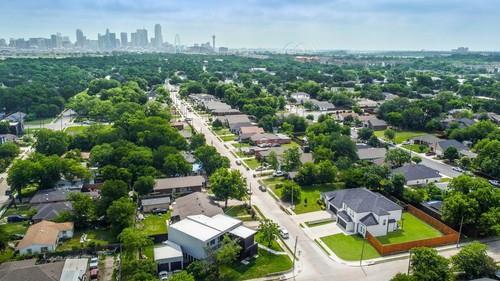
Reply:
x=124, y=39
x=213, y=42
x=80, y=38
x=107, y=41
x=158, y=41
x=142, y=37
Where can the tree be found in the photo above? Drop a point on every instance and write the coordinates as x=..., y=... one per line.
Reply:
x=181, y=276
x=398, y=185
x=365, y=134
x=176, y=165
x=269, y=231
x=112, y=190
x=291, y=192
x=403, y=277
x=217, y=124
x=50, y=142
x=134, y=240
x=489, y=222
x=390, y=134
x=227, y=184
x=416, y=159
x=474, y=261
x=373, y=141
x=84, y=209
x=120, y=214
x=144, y=185
x=23, y=173
x=272, y=159
x=291, y=159
x=228, y=252
x=210, y=159
x=428, y=265
x=397, y=157
x=451, y=154
x=197, y=140
x=457, y=206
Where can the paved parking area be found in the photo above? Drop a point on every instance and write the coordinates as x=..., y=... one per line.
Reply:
x=313, y=216
x=324, y=230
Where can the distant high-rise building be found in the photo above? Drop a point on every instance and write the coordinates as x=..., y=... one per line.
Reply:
x=107, y=41
x=3, y=43
x=142, y=37
x=213, y=42
x=124, y=39
x=158, y=40
x=56, y=40
x=80, y=38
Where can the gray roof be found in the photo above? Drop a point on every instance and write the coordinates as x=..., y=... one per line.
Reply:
x=179, y=182
x=155, y=201
x=370, y=153
x=51, y=211
x=27, y=270
x=377, y=122
x=427, y=138
x=361, y=200
x=239, y=118
x=369, y=220
x=16, y=116
x=416, y=172
x=237, y=126
x=50, y=195
x=452, y=143
x=322, y=104
x=434, y=204
x=344, y=216
x=262, y=136
x=196, y=203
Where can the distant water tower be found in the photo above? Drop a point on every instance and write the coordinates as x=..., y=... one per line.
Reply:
x=213, y=42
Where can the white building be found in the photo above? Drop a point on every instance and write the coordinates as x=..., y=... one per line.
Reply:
x=44, y=236
x=359, y=210
x=417, y=174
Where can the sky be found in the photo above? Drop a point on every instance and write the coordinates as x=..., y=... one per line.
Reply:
x=297, y=24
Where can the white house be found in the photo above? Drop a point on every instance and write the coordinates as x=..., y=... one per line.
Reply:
x=359, y=210
x=44, y=236
x=196, y=234
x=417, y=174
x=300, y=97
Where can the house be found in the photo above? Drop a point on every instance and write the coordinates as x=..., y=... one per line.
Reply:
x=460, y=122
x=367, y=104
x=495, y=118
x=268, y=138
x=417, y=174
x=200, y=99
x=7, y=138
x=16, y=122
x=51, y=211
x=463, y=150
x=149, y=204
x=229, y=120
x=44, y=236
x=16, y=117
x=179, y=125
x=300, y=97
x=168, y=257
x=359, y=210
x=369, y=153
x=30, y=270
x=433, y=208
x=216, y=106
x=195, y=234
x=376, y=124
x=265, y=152
x=246, y=132
x=196, y=203
x=45, y=196
x=179, y=186
x=427, y=140
x=235, y=127
x=322, y=105
x=74, y=270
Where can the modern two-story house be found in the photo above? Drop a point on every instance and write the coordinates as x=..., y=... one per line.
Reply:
x=359, y=210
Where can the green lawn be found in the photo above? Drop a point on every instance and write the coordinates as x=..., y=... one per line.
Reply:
x=274, y=244
x=154, y=224
x=237, y=211
x=17, y=228
x=222, y=131
x=348, y=247
x=228, y=137
x=252, y=163
x=413, y=229
x=261, y=266
x=97, y=236
x=75, y=130
x=6, y=255
x=290, y=145
x=37, y=122
x=416, y=148
x=401, y=136
x=20, y=210
x=309, y=196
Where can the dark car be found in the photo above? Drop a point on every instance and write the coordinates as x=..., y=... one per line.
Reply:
x=262, y=188
x=159, y=210
x=16, y=218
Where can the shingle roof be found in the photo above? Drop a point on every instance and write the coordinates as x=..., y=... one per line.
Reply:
x=344, y=216
x=427, y=138
x=28, y=270
x=51, y=211
x=155, y=201
x=369, y=220
x=178, y=182
x=43, y=233
x=195, y=204
x=452, y=143
x=362, y=200
x=416, y=172
x=50, y=195
x=370, y=153
x=233, y=119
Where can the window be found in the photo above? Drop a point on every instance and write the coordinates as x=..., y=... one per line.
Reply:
x=29, y=251
x=212, y=242
x=44, y=249
x=384, y=222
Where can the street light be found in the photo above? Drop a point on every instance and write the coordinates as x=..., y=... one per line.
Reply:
x=460, y=230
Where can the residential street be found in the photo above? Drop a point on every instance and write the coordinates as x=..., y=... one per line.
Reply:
x=313, y=264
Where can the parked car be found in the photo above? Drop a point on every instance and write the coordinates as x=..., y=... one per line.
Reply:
x=159, y=210
x=263, y=188
x=284, y=233
x=163, y=275
x=94, y=262
x=249, y=191
x=94, y=274
x=430, y=153
x=238, y=162
x=275, y=145
x=457, y=169
x=278, y=173
x=494, y=182
x=16, y=218
x=260, y=168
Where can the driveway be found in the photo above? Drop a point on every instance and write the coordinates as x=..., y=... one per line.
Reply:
x=313, y=216
x=324, y=230
x=107, y=269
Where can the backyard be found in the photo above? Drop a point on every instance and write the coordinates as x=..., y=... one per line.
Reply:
x=240, y=211
x=401, y=136
x=96, y=236
x=75, y=130
x=418, y=148
x=413, y=229
x=348, y=247
x=154, y=224
x=38, y=122
x=252, y=163
x=309, y=195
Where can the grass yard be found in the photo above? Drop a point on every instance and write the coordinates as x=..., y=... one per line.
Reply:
x=222, y=132
x=75, y=130
x=309, y=196
x=237, y=211
x=16, y=228
x=413, y=229
x=22, y=209
x=348, y=247
x=37, y=122
x=239, y=145
x=416, y=148
x=228, y=137
x=274, y=244
x=154, y=224
x=401, y=136
x=265, y=264
x=252, y=163
x=97, y=236
x=290, y=145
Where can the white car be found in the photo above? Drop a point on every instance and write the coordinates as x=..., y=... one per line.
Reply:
x=238, y=162
x=278, y=173
x=163, y=275
x=94, y=262
x=458, y=169
x=284, y=233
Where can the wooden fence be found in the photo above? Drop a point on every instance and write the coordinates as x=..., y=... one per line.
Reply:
x=450, y=236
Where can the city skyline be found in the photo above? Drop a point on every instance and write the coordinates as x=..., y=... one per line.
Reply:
x=340, y=24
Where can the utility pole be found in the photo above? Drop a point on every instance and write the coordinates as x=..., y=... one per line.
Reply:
x=460, y=230
x=250, y=195
x=409, y=263
x=362, y=251
x=294, y=255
